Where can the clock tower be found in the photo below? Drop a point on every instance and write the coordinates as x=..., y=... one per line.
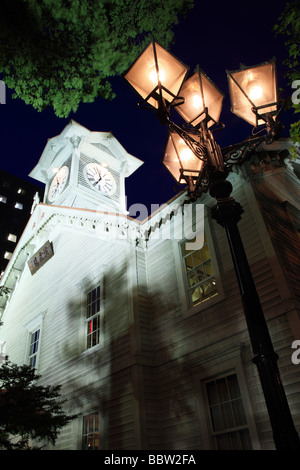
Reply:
x=85, y=169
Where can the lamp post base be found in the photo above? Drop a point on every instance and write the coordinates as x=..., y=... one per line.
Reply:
x=227, y=212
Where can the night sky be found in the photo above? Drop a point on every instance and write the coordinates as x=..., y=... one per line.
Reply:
x=216, y=35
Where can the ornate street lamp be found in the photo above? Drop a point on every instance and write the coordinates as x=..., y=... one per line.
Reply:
x=194, y=158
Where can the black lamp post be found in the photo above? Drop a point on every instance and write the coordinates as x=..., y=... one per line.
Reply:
x=194, y=158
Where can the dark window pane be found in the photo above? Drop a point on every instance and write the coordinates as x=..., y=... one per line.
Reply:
x=90, y=435
x=226, y=413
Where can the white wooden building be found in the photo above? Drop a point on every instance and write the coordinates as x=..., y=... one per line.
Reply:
x=145, y=333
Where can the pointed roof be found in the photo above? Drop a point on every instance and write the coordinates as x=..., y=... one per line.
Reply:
x=75, y=136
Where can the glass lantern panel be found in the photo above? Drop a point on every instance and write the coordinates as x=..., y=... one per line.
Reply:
x=178, y=155
x=193, y=99
x=213, y=98
x=240, y=104
x=171, y=161
x=146, y=73
x=253, y=87
x=199, y=92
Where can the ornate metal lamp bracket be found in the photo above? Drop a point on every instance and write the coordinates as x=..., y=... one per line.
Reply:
x=196, y=146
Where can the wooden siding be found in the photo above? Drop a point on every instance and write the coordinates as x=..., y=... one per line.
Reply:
x=144, y=306
x=58, y=289
x=281, y=225
x=147, y=408
x=184, y=341
x=144, y=378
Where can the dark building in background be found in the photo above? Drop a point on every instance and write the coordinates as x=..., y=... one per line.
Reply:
x=16, y=199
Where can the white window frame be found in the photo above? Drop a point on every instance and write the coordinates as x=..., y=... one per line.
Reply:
x=86, y=285
x=34, y=346
x=31, y=327
x=95, y=316
x=227, y=368
x=86, y=434
x=189, y=309
x=85, y=289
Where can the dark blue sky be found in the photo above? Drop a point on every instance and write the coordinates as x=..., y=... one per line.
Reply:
x=216, y=35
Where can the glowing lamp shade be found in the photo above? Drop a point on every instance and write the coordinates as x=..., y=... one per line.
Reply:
x=254, y=87
x=201, y=96
x=178, y=156
x=155, y=71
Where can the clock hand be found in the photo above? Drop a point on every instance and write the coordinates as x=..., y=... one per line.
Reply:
x=96, y=182
x=99, y=174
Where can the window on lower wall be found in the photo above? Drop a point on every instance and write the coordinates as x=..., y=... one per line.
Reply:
x=33, y=348
x=199, y=272
x=34, y=334
x=93, y=318
x=227, y=418
x=90, y=432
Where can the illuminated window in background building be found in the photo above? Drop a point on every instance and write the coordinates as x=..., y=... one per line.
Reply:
x=3, y=199
x=18, y=205
x=201, y=282
x=7, y=255
x=33, y=350
x=228, y=424
x=90, y=435
x=93, y=317
x=12, y=238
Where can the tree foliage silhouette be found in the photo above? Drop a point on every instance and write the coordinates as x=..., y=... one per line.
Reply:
x=59, y=53
x=27, y=410
x=288, y=26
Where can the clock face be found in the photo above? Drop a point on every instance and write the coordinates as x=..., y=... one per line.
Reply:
x=100, y=178
x=58, y=183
